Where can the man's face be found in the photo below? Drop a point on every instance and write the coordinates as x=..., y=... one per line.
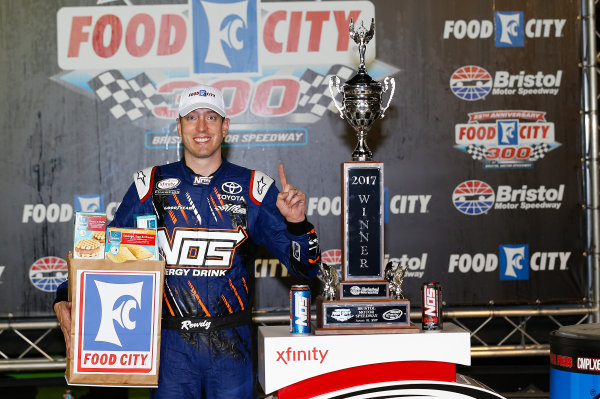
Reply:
x=202, y=131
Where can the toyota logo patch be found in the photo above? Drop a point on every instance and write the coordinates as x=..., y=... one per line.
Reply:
x=231, y=187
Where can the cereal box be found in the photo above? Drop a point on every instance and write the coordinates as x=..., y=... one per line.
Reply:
x=125, y=244
x=89, y=236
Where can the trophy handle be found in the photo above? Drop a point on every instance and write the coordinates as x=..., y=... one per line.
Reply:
x=337, y=86
x=385, y=88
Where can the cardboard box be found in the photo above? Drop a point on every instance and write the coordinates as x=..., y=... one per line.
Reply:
x=108, y=347
x=125, y=244
x=89, y=236
x=146, y=221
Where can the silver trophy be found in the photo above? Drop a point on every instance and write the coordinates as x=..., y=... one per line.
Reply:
x=331, y=282
x=362, y=95
x=394, y=273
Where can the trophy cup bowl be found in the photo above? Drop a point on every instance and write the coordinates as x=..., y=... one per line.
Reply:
x=362, y=99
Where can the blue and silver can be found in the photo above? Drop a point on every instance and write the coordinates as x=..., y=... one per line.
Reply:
x=300, y=310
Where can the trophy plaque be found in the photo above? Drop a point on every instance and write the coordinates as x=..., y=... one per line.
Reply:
x=362, y=302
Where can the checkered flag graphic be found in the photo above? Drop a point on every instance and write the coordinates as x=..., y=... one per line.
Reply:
x=133, y=98
x=538, y=151
x=477, y=152
x=314, y=89
x=146, y=91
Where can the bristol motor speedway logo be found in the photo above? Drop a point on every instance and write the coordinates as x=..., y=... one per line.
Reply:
x=475, y=197
x=472, y=83
x=506, y=139
x=271, y=60
x=509, y=28
x=116, y=328
x=47, y=273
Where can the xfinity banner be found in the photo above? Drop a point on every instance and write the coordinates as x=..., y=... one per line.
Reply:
x=481, y=143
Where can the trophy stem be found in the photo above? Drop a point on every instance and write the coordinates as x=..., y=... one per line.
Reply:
x=362, y=151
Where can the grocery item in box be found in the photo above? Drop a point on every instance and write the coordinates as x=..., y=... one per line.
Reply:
x=89, y=236
x=145, y=221
x=125, y=244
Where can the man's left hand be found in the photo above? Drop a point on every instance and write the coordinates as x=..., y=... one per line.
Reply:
x=291, y=202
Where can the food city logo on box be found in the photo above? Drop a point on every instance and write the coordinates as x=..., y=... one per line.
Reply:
x=506, y=139
x=475, y=197
x=509, y=28
x=62, y=213
x=117, y=321
x=514, y=260
x=271, y=60
x=472, y=83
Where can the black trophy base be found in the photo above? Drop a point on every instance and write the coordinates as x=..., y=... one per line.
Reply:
x=364, y=290
x=366, y=316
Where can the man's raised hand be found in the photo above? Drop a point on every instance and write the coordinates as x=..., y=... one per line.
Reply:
x=291, y=202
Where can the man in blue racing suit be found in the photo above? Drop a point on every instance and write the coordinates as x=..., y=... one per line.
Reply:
x=212, y=215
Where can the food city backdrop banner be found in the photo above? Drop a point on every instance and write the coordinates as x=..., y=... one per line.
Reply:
x=481, y=142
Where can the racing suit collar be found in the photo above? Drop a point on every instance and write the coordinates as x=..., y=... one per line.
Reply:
x=193, y=177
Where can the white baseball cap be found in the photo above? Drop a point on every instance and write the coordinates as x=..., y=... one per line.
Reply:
x=201, y=96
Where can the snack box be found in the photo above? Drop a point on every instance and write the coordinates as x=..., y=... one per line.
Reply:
x=90, y=235
x=123, y=244
x=145, y=221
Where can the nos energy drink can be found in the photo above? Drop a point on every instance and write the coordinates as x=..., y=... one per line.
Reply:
x=300, y=310
x=431, y=306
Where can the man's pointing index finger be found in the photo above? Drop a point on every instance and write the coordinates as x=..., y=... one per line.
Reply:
x=282, y=177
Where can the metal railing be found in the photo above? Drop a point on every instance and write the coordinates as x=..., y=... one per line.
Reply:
x=24, y=349
x=591, y=148
x=495, y=332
